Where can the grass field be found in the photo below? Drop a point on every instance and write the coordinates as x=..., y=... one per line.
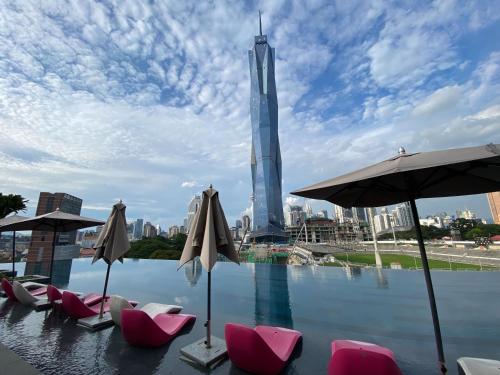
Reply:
x=406, y=261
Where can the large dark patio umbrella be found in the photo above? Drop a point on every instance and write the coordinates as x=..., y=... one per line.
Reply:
x=11, y=220
x=112, y=243
x=56, y=221
x=209, y=235
x=407, y=177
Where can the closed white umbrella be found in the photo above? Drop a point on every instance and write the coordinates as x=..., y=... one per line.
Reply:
x=112, y=243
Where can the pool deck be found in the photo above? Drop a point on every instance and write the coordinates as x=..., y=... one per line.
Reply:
x=14, y=363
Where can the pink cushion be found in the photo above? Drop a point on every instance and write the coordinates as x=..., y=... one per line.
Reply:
x=38, y=291
x=359, y=358
x=7, y=288
x=138, y=328
x=263, y=350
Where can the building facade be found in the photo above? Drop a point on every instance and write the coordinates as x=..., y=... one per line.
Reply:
x=138, y=229
x=40, y=250
x=494, y=203
x=268, y=219
x=193, y=208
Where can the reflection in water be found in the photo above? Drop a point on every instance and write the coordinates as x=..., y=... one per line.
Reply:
x=60, y=276
x=18, y=312
x=272, y=300
x=193, y=271
x=352, y=272
x=382, y=281
x=123, y=357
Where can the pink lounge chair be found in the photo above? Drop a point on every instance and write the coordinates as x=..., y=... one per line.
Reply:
x=35, y=289
x=78, y=309
x=54, y=294
x=140, y=329
x=361, y=358
x=263, y=350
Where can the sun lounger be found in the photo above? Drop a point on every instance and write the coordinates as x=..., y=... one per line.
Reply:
x=24, y=296
x=77, y=308
x=478, y=366
x=118, y=303
x=140, y=329
x=360, y=358
x=35, y=289
x=54, y=295
x=262, y=350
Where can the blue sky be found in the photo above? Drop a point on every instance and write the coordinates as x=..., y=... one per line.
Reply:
x=149, y=101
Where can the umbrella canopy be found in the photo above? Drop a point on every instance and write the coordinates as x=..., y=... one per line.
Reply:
x=406, y=177
x=56, y=221
x=461, y=171
x=7, y=221
x=11, y=220
x=209, y=234
x=63, y=221
x=113, y=242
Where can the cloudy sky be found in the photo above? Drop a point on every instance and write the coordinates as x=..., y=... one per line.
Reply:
x=149, y=101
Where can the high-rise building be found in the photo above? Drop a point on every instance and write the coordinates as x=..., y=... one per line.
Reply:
x=239, y=224
x=308, y=210
x=40, y=251
x=268, y=219
x=246, y=221
x=138, y=229
x=173, y=230
x=404, y=217
x=494, y=202
x=359, y=215
x=343, y=215
x=296, y=216
x=466, y=214
x=193, y=207
x=149, y=230
x=323, y=214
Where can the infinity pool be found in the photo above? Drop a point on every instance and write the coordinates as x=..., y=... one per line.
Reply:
x=387, y=307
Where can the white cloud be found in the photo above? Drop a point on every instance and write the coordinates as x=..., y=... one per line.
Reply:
x=188, y=184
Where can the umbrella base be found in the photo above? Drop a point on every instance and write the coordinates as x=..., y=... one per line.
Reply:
x=94, y=323
x=199, y=354
x=42, y=304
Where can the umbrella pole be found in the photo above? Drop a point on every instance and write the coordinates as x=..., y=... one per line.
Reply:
x=101, y=311
x=430, y=290
x=52, y=255
x=13, y=255
x=207, y=324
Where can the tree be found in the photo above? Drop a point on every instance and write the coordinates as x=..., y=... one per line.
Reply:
x=463, y=225
x=158, y=247
x=11, y=203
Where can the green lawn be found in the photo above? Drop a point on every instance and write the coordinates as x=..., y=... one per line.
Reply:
x=406, y=261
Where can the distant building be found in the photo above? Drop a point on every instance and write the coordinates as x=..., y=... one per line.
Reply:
x=173, y=230
x=494, y=203
x=239, y=224
x=295, y=216
x=193, y=207
x=435, y=221
x=466, y=214
x=322, y=230
x=138, y=229
x=182, y=229
x=359, y=215
x=149, y=230
x=343, y=215
x=323, y=214
x=130, y=230
x=89, y=239
x=245, y=220
x=404, y=217
x=40, y=250
x=308, y=210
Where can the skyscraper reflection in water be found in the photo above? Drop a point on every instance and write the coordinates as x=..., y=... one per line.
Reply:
x=272, y=300
x=61, y=272
x=193, y=271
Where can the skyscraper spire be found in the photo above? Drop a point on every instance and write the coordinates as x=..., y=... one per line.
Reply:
x=260, y=23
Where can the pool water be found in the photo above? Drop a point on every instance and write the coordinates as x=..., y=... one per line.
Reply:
x=386, y=307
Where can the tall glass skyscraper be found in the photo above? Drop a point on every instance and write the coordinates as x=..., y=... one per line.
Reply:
x=268, y=219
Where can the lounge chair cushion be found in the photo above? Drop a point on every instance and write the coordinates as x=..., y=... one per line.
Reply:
x=263, y=350
x=118, y=303
x=356, y=358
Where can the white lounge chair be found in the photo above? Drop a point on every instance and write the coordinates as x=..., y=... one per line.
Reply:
x=118, y=303
x=24, y=296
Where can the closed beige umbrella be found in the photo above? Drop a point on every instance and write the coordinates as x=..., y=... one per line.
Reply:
x=112, y=243
x=209, y=235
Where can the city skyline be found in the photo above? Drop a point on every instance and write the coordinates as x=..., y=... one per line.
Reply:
x=141, y=104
